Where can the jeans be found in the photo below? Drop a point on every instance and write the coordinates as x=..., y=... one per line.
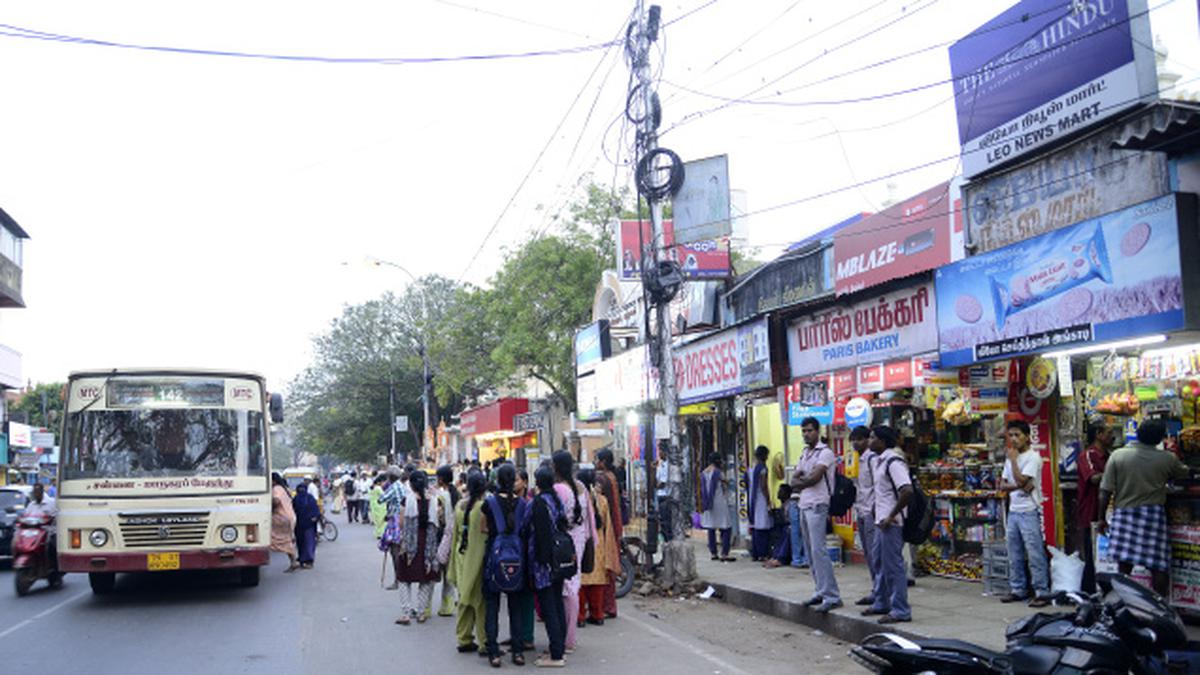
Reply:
x=664, y=517
x=799, y=550
x=726, y=536
x=1025, y=545
x=813, y=519
x=550, y=599
x=491, y=622
x=891, y=583
x=868, y=532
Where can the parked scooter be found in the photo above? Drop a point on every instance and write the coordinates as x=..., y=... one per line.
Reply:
x=1123, y=628
x=32, y=558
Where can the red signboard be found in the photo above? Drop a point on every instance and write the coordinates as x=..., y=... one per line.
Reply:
x=870, y=378
x=845, y=382
x=707, y=259
x=495, y=416
x=897, y=375
x=908, y=237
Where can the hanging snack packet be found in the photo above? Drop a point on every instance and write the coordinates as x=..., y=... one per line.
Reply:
x=1080, y=259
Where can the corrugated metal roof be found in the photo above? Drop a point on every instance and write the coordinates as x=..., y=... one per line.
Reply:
x=1165, y=126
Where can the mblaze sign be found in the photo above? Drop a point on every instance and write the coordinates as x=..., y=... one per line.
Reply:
x=895, y=325
x=1046, y=69
x=918, y=234
x=732, y=361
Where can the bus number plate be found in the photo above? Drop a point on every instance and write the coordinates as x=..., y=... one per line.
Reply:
x=157, y=562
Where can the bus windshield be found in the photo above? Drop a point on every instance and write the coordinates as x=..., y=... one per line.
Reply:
x=159, y=443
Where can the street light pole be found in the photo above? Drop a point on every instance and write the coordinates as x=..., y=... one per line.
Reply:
x=422, y=349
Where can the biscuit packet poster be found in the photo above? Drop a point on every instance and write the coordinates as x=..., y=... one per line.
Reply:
x=1106, y=278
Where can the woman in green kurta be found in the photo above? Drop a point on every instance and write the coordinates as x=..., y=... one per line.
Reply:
x=378, y=506
x=466, y=565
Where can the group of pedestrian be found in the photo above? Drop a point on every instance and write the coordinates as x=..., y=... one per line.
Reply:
x=294, y=522
x=548, y=549
x=354, y=493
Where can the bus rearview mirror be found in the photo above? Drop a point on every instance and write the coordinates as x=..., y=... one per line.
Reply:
x=276, y=408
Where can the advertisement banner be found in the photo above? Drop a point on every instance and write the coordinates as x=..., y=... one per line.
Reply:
x=20, y=435
x=1108, y=278
x=1022, y=82
x=701, y=206
x=625, y=380
x=732, y=361
x=908, y=237
x=788, y=280
x=1083, y=180
x=898, y=324
x=707, y=259
x=592, y=345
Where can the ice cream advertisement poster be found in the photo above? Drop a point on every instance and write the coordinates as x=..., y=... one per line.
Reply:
x=1108, y=278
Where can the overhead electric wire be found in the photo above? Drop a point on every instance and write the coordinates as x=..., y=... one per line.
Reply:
x=926, y=165
x=538, y=159
x=515, y=19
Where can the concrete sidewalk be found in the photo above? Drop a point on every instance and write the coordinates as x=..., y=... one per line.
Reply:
x=943, y=608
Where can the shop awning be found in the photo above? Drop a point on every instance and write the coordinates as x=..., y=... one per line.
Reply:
x=495, y=416
x=1166, y=126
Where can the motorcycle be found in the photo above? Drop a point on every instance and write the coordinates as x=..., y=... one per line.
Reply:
x=32, y=558
x=1123, y=628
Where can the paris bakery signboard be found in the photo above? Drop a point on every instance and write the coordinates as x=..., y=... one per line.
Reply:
x=895, y=325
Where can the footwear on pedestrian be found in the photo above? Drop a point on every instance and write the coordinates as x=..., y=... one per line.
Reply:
x=813, y=602
x=494, y=661
x=826, y=607
x=469, y=647
x=403, y=621
x=518, y=659
x=1039, y=602
x=595, y=622
x=871, y=611
x=888, y=618
x=771, y=564
x=729, y=558
x=550, y=663
x=394, y=586
x=865, y=601
x=1012, y=597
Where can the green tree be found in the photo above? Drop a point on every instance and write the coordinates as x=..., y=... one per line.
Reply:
x=47, y=397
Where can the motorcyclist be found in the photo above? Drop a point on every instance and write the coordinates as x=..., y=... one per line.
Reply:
x=41, y=506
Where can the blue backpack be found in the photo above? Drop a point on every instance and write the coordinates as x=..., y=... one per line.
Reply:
x=504, y=566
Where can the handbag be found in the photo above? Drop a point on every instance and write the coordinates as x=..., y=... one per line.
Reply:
x=588, y=564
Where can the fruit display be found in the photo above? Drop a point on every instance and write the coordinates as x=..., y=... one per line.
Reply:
x=1118, y=404
x=1189, y=440
x=958, y=412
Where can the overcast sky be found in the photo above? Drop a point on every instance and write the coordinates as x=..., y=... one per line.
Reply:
x=191, y=209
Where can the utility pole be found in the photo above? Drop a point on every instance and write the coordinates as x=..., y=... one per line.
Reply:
x=660, y=282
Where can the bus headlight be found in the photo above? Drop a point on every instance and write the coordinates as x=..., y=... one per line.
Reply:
x=229, y=534
x=98, y=538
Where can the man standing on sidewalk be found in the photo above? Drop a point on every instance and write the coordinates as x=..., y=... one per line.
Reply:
x=1022, y=480
x=892, y=492
x=814, y=478
x=864, y=506
x=1100, y=439
x=1137, y=474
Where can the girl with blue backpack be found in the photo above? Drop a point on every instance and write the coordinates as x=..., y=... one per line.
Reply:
x=549, y=546
x=504, y=569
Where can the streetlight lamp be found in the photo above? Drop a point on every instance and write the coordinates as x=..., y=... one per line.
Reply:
x=422, y=349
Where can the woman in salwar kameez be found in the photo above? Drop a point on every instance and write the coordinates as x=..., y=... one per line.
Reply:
x=466, y=566
x=607, y=556
x=581, y=526
x=283, y=521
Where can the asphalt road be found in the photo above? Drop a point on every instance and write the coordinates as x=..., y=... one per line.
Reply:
x=336, y=618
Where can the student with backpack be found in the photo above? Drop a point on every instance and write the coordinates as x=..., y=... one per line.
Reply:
x=551, y=557
x=504, y=563
x=815, y=480
x=581, y=527
x=893, y=491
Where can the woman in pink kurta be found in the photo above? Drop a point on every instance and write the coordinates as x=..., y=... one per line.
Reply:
x=578, y=510
x=283, y=521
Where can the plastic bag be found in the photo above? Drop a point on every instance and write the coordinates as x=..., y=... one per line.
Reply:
x=1066, y=571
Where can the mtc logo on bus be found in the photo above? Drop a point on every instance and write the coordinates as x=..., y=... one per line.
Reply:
x=89, y=392
x=242, y=394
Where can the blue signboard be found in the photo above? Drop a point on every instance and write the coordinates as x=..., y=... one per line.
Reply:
x=592, y=345
x=1045, y=69
x=1108, y=278
x=797, y=412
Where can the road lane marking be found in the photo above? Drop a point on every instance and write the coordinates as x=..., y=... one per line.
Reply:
x=43, y=613
x=725, y=666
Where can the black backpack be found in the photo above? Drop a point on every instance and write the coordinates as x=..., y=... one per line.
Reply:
x=919, y=521
x=563, y=564
x=348, y=488
x=842, y=494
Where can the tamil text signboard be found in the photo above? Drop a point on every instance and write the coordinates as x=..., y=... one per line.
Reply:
x=890, y=326
x=733, y=361
x=1045, y=69
x=1107, y=278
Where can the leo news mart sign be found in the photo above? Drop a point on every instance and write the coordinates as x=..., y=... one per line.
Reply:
x=1045, y=69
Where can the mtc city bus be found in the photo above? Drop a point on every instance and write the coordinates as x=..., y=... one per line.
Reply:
x=165, y=470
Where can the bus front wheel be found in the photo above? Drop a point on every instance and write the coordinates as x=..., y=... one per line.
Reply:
x=249, y=576
x=102, y=582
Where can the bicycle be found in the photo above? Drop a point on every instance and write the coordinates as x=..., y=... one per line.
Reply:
x=327, y=530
